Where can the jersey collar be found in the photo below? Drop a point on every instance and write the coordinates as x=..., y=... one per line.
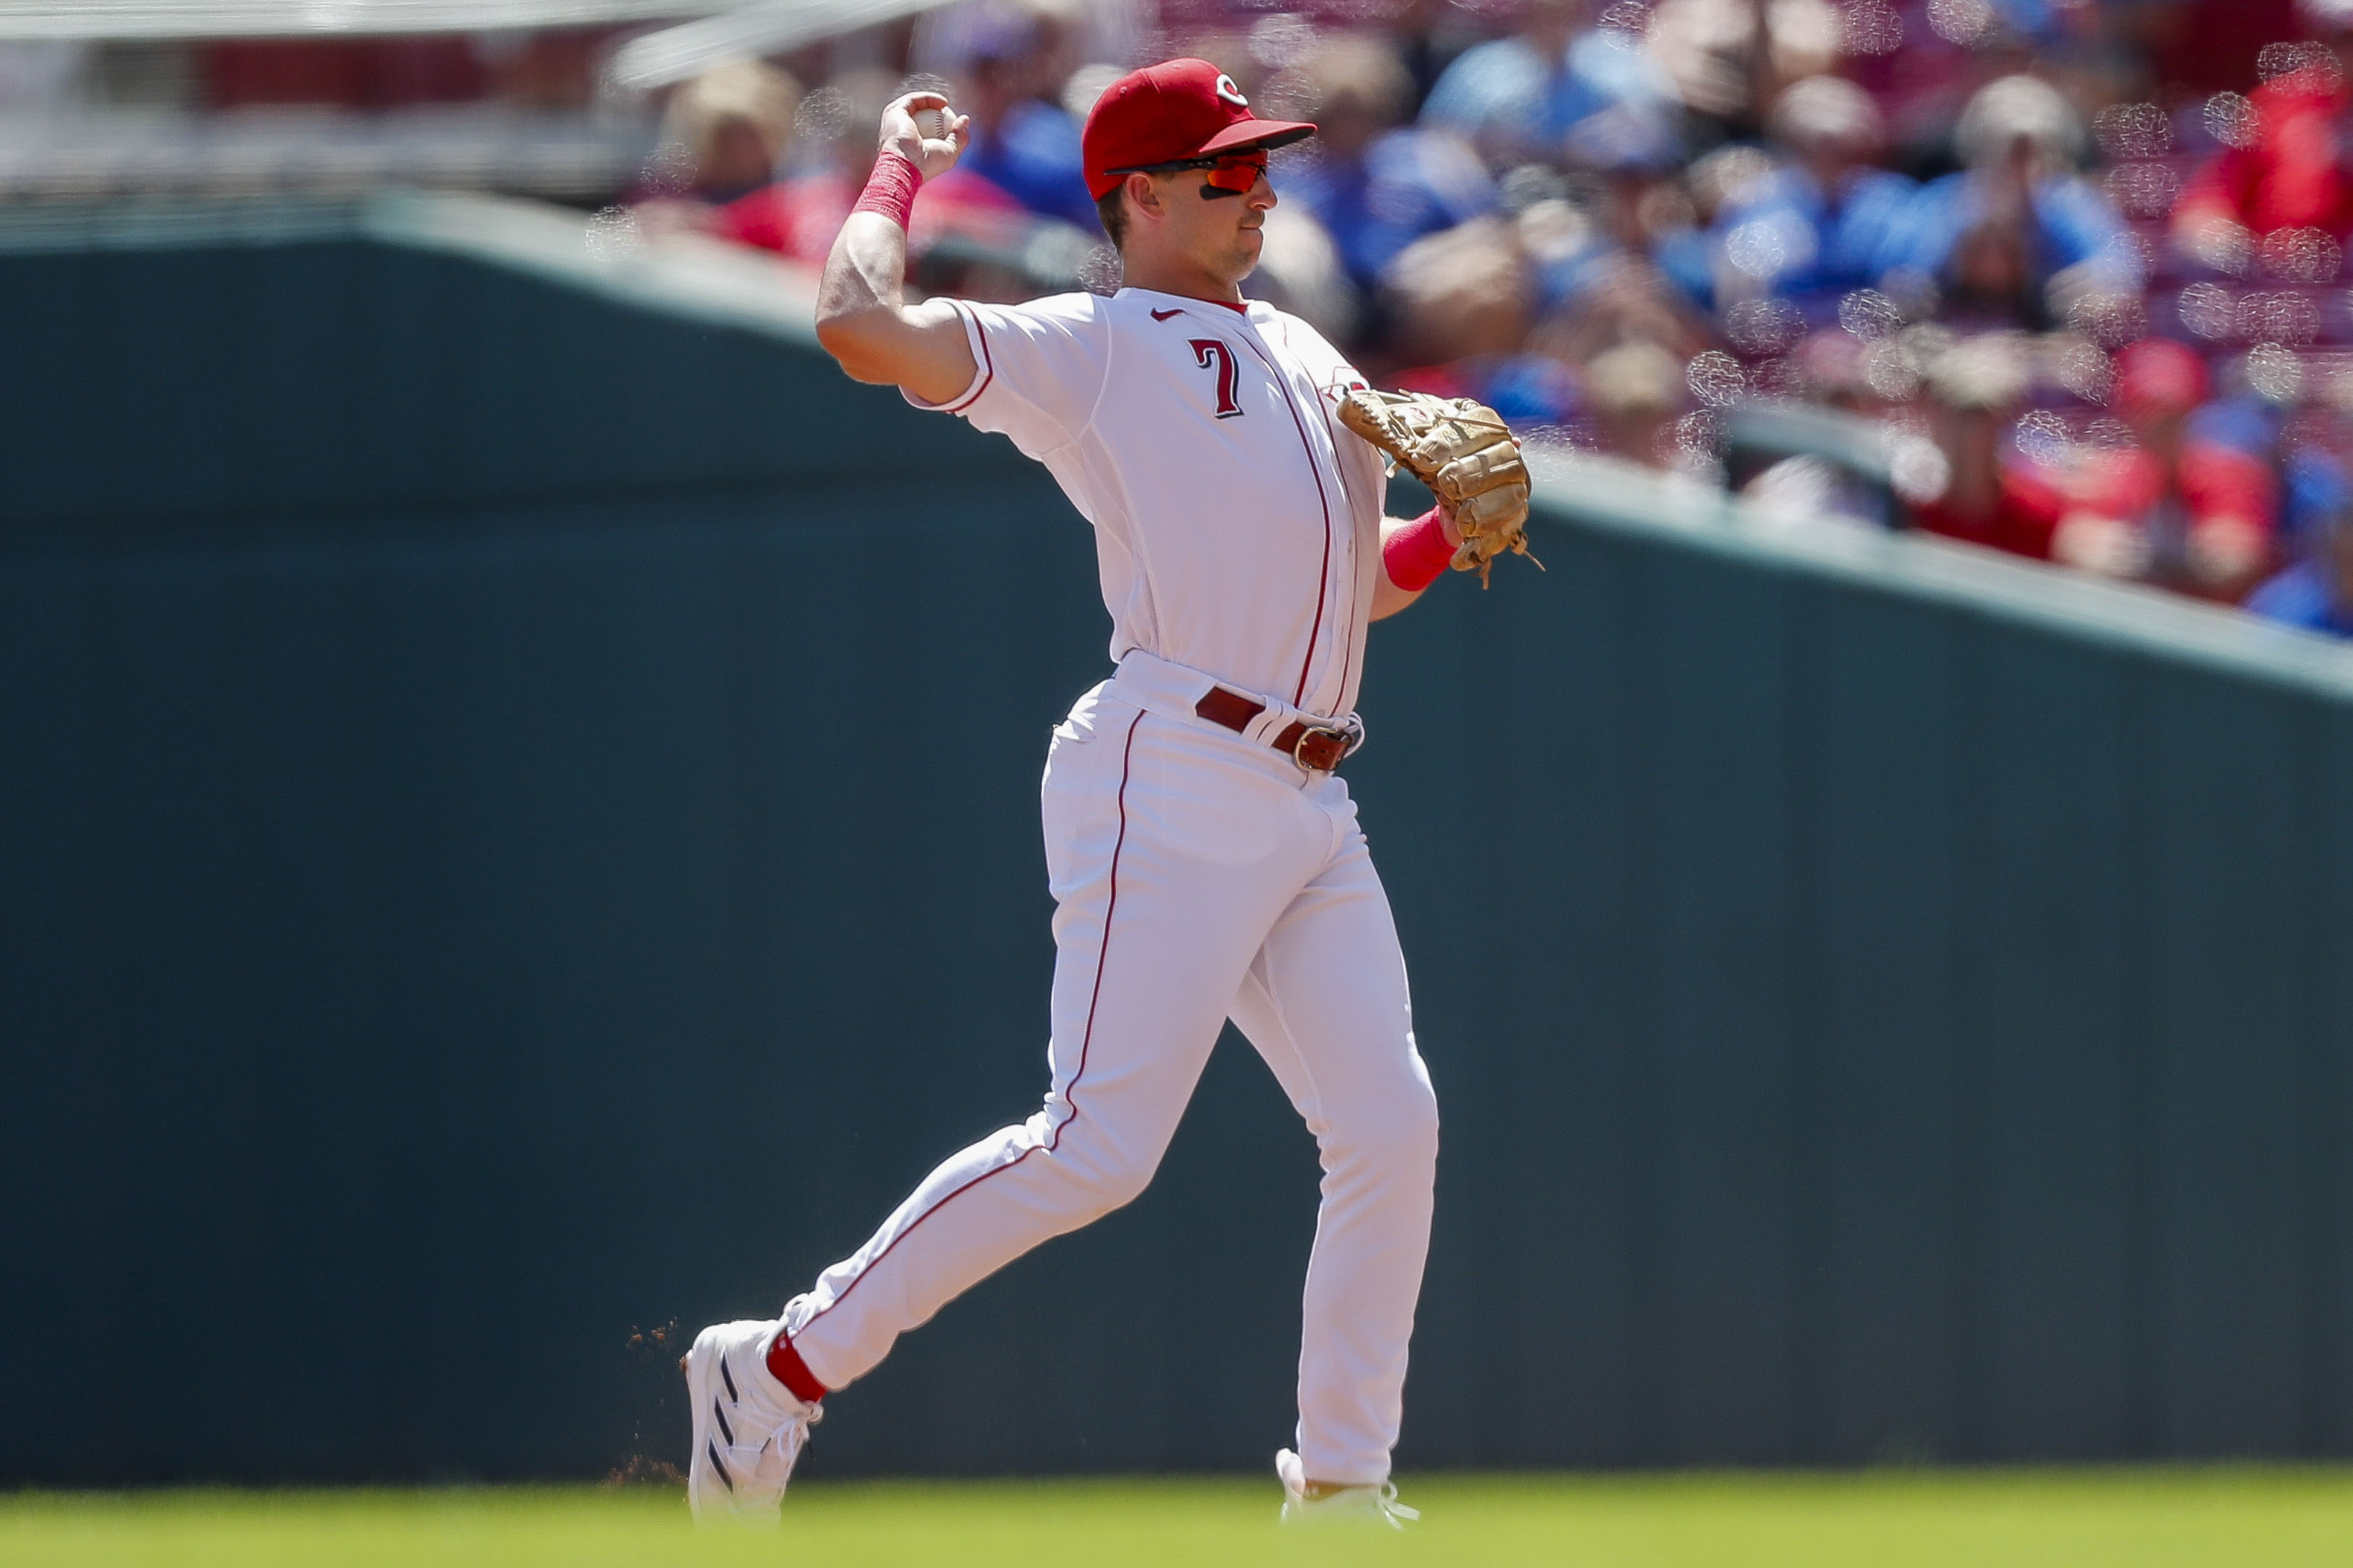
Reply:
x=1245, y=310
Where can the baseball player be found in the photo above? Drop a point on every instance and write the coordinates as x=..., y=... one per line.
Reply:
x=1203, y=853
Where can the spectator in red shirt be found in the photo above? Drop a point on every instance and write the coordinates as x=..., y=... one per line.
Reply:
x=2287, y=171
x=726, y=135
x=2179, y=508
x=1975, y=390
x=723, y=136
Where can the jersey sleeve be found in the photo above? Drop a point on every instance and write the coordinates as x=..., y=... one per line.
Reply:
x=1038, y=369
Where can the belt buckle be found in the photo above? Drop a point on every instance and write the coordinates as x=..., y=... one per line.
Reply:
x=1348, y=740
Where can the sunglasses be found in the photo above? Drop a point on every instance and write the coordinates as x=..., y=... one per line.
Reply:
x=1234, y=171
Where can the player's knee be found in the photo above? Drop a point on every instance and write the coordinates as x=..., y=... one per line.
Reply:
x=1413, y=1132
x=1101, y=1191
x=1124, y=1185
x=1397, y=1137
x=1109, y=1176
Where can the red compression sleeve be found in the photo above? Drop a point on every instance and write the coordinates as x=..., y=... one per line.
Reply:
x=890, y=188
x=1417, y=552
x=785, y=1366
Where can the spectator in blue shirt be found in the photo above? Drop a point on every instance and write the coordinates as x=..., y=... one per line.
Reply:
x=1374, y=187
x=1814, y=229
x=1517, y=100
x=2016, y=236
x=2316, y=487
x=1024, y=146
x=1646, y=210
x=2316, y=593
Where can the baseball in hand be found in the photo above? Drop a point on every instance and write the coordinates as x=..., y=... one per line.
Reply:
x=931, y=124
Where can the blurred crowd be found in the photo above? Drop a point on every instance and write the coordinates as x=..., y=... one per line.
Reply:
x=2071, y=273
x=2061, y=277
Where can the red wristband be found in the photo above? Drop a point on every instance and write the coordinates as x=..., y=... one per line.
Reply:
x=1417, y=553
x=890, y=188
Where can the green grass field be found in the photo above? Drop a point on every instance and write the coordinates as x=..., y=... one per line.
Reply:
x=2274, y=1517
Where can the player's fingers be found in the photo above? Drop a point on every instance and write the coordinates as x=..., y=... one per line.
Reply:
x=899, y=118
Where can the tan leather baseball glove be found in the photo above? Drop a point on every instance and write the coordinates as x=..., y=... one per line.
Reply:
x=1466, y=455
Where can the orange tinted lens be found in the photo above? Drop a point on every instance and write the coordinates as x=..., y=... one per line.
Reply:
x=1239, y=173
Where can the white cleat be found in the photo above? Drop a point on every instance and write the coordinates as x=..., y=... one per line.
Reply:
x=748, y=1429
x=1375, y=1505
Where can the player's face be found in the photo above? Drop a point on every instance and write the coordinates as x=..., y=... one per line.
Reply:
x=1216, y=229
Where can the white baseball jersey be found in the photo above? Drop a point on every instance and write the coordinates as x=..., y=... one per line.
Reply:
x=1237, y=520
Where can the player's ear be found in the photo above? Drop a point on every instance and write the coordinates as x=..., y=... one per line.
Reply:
x=1144, y=196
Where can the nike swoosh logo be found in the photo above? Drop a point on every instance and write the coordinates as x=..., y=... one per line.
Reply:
x=1164, y=315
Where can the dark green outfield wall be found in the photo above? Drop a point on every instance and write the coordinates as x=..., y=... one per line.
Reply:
x=504, y=845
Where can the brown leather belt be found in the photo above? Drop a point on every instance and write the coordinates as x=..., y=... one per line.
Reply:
x=1318, y=748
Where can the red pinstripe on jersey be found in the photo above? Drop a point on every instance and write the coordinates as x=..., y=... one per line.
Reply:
x=1323, y=577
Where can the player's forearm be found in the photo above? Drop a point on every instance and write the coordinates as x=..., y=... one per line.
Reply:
x=1413, y=552
x=1388, y=598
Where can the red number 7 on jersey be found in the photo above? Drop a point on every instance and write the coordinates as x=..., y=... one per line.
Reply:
x=1209, y=350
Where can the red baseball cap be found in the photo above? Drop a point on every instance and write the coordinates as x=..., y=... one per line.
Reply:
x=1169, y=112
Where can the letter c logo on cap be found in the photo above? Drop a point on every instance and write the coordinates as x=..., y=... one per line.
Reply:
x=1230, y=93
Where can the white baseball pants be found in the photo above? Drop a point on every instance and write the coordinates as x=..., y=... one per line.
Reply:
x=1198, y=875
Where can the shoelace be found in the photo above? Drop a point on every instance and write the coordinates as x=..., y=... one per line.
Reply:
x=791, y=1438
x=783, y=1445
x=788, y=1439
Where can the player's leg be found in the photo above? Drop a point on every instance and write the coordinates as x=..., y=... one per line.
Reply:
x=1325, y=1002
x=1168, y=865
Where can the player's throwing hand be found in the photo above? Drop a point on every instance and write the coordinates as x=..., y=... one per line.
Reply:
x=923, y=129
